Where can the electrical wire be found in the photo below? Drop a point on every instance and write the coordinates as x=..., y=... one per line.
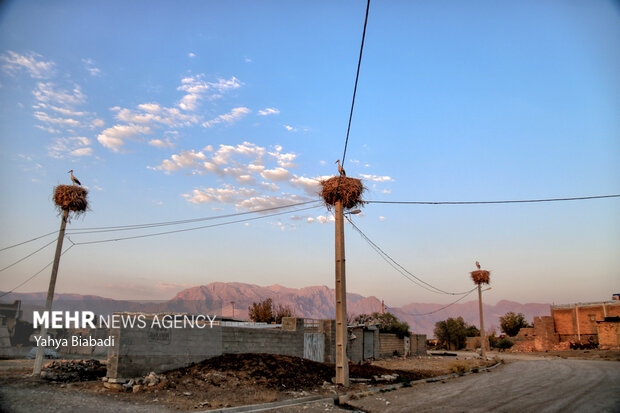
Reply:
x=27, y=256
x=359, y=63
x=26, y=242
x=192, y=229
x=402, y=270
x=77, y=231
x=444, y=307
x=520, y=201
x=35, y=274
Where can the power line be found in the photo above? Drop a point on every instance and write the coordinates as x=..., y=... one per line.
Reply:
x=192, y=229
x=399, y=267
x=78, y=231
x=35, y=274
x=444, y=307
x=26, y=242
x=520, y=201
x=359, y=63
x=27, y=256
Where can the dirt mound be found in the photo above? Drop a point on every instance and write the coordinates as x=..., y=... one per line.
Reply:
x=269, y=370
x=368, y=371
x=73, y=370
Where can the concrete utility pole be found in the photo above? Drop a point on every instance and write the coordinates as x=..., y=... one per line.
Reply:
x=342, y=363
x=483, y=351
x=50, y=291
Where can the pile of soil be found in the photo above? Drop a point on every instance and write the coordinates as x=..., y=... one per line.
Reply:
x=269, y=370
x=368, y=371
x=73, y=370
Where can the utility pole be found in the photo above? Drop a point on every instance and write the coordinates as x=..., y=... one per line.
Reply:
x=50, y=291
x=483, y=352
x=342, y=363
x=233, y=308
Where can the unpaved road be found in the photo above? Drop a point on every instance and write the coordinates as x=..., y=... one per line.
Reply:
x=555, y=385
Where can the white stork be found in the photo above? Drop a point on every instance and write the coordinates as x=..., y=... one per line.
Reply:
x=478, y=264
x=74, y=179
x=341, y=169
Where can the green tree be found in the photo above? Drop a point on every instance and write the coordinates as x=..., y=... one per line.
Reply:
x=262, y=312
x=511, y=323
x=472, y=331
x=388, y=323
x=451, y=333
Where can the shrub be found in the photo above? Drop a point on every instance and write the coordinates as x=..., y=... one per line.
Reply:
x=504, y=344
x=459, y=367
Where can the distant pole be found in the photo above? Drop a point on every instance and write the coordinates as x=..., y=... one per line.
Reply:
x=50, y=291
x=233, y=306
x=483, y=346
x=342, y=363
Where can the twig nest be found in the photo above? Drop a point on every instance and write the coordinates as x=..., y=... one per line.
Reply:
x=342, y=188
x=481, y=277
x=71, y=197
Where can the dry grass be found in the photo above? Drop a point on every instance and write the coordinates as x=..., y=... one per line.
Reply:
x=72, y=198
x=342, y=188
x=481, y=276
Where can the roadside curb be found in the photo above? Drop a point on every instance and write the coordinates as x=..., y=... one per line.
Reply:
x=344, y=398
x=274, y=405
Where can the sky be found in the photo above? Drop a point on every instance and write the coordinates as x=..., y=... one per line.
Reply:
x=180, y=110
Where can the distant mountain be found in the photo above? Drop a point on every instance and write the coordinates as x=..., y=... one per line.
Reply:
x=310, y=302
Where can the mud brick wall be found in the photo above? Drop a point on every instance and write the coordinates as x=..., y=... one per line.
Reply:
x=609, y=334
x=388, y=343
x=526, y=332
x=580, y=320
x=545, y=333
x=328, y=328
x=418, y=344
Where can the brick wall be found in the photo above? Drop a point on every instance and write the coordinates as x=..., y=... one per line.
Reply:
x=578, y=322
x=545, y=336
x=388, y=343
x=609, y=334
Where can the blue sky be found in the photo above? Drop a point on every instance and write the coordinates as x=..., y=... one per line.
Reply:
x=170, y=111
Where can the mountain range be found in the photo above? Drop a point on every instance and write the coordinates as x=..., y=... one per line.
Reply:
x=310, y=302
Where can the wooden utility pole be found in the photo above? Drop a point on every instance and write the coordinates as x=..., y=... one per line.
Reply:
x=50, y=291
x=342, y=363
x=483, y=352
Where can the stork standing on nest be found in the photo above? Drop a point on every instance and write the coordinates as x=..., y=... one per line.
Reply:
x=341, y=169
x=74, y=179
x=478, y=264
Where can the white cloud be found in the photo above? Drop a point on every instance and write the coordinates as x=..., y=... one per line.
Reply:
x=270, y=186
x=381, y=218
x=183, y=160
x=72, y=146
x=310, y=220
x=89, y=65
x=227, y=194
x=153, y=113
x=47, y=92
x=268, y=111
x=190, y=55
x=196, y=88
x=276, y=174
x=265, y=202
x=312, y=186
x=113, y=138
x=386, y=191
x=324, y=220
x=44, y=117
x=285, y=160
x=159, y=143
x=231, y=117
x=64, y=111
x=32, y=62
x=248, y=60
x=376, y=178
x=98, y=123
x=290, y=128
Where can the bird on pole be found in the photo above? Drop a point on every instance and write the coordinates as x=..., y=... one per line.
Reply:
x=341, y=169
x=478, y=264
x=74, y=179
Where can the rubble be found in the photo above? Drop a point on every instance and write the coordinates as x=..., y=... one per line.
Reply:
x=73, y=370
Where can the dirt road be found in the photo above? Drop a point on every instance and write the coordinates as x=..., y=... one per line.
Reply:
x=555, y=385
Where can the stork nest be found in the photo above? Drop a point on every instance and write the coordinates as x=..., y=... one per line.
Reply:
x=71, y=198
x=341, y=188
x=481, y=276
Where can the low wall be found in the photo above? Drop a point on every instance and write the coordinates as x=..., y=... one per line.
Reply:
x=609, y=334
x=138, y=351
x=389, y=344
x=418, y=344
